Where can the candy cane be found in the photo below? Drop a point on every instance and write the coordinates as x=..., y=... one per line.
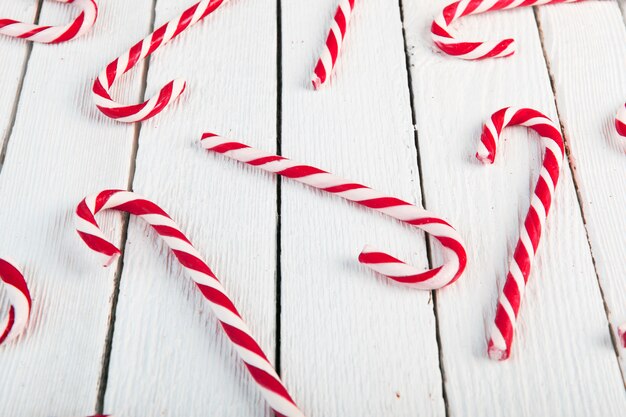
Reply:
x=620, y=121
x=20, y=300
x=455, y=257
x=158, y=38
x=511, y=297
x=621, y=331
x=248, y=349
x=329, y=55
x=440, y=28
x=54, y=34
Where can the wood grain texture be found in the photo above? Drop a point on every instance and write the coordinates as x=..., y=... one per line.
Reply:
x=170, y=357
x=562, y=318
x=590, y=86
x=12, y=69
x=352, y=344
x=60, y=150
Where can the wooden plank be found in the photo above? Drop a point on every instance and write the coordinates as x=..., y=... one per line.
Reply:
x=588, y=69
x=12, y=69
x=169, y=356
x=351, y=342
x=562, y=318
x=60, y=150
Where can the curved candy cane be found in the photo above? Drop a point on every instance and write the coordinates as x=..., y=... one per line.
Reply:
x=158, y=38
x=455, y=257
x=248, y=349
x=54, y=34
x=511, y=297
x=19, y=296
x=620, y=121
x=329, y=55
x=440, y=28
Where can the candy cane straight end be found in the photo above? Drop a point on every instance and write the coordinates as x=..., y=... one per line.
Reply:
x=332, y=47
x=485, y=155
x=316, y=81
x=497, y=353
x=620, y=121
x=54, y=34
x=621, y=331
x=19, y=297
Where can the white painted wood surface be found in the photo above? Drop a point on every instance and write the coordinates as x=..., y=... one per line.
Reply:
x=12, y=69
x=60, y=150
x=590, y=87
x=562, y=318
x=165, y=332
x=350, y=343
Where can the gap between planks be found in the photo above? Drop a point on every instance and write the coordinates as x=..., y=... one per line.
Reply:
x=428, y=242
x=18, y=92
x=108, y=343
x=279, y=182
x=570, y=163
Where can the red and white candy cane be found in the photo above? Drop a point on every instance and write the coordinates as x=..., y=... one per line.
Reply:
x=621, y=331
x=170, y=92
x=248, y=349
x=54, y=34
x=455, y=257
x=620, y=120
x=20, y=300
x=499, y=347
x=440, y=28
x=337, y=32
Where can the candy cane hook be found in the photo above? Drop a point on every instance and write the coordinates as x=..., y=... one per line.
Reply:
x=440, y=28
x=620, y=121
x=337, y=32
x=170, y=92
x=513, y=291
x=455, y=257
x=20, y=300
x=246, y=346
x=54, y=34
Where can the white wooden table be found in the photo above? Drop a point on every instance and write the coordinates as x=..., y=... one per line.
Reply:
x=137, y=339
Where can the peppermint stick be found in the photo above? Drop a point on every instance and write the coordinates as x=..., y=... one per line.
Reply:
x=236, y=330
x=499, y=346
x=455, y=257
